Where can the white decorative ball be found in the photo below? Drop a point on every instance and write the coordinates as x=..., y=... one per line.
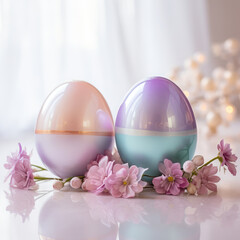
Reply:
x=230, y=76
x=199, y=57
x=218, y=73
x=213, y=119
x=190, y=63
x=217, y=49
x=226, y=88
x=231, y=46
x=210, y=131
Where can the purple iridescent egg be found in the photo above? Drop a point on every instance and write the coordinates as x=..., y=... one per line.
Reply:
x=154, y=122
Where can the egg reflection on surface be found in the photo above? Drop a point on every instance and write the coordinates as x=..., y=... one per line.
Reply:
x=65, y=217
x=154, y=122
x=74, y=125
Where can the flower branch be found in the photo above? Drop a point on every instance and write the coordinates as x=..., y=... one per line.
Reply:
x=106, y=174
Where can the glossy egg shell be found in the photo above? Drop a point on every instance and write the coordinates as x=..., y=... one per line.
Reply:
x=154, y=122
x=74, y=125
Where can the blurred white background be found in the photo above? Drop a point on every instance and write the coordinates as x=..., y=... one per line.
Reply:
x=111, y=44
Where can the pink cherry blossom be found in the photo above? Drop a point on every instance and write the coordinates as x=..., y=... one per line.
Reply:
x=97, y=175
x=115, y=157
x=95, y=162
x=125, y=182
x=172, y=180
x=206, y=179
x=15, y=157
x=21, y=173
x=225, y=152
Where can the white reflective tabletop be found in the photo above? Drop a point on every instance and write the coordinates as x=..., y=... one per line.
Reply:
x=68, y=215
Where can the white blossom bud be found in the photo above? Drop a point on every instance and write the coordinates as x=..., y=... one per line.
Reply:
x=58, y=185
x=198, y=160
x=191, y=189
x=188, y=166
x=75, y=182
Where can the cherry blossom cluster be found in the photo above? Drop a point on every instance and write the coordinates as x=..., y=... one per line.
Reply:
x=107, y=174
x=196, y=177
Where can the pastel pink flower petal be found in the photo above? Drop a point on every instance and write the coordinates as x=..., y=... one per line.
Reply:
x=232, y=168
x=97, y=176
x=202, y=190
x=143, y=184
x=174, y=190
x=172, y=180
x=162, y=168
x=184, y=183
x=206, y=179
x=225, y=152
x=103, y=162
x=168, y=163
x=22, y=175
x=125, y=182
x=129, y=193
x=176, y=166
x=211, y=171
x=133, y=171
x=141, y=171
x=214, y=179
x=138, y=188
x=211, y=186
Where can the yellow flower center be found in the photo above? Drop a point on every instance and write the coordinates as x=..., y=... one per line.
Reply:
x=170, y=179
x=124, y=183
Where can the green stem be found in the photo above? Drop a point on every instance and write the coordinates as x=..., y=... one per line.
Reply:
x=205, y=164
x=67, y=180
x=82, y=177
x=42, y=195
x=46, y=178
x=145, y=175
x=43, y=169
x=36, y=171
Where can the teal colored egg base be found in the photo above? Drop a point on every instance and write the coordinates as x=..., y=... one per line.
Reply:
x=149, y=151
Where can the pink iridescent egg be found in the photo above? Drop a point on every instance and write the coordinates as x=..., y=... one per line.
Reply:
x=74, y=125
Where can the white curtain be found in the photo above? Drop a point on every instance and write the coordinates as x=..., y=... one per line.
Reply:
x=111, y=44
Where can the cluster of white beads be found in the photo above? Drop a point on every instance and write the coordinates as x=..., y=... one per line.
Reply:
x=215, y=97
